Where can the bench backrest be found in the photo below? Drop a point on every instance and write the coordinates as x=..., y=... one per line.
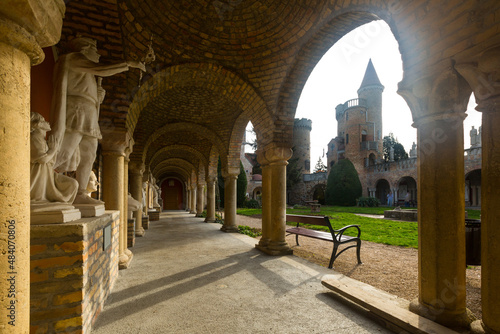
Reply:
x=313, y=220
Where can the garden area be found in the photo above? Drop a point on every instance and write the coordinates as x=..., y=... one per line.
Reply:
x=389, y=251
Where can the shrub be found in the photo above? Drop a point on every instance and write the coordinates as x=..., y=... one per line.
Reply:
x=343, y=185
x=252, y=204
x=368, y=201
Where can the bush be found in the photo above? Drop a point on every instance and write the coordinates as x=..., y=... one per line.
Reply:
x=343, y=186
x=252, y=204
x=368, y=201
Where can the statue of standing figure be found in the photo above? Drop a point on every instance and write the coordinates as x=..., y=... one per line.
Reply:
x=75, y=109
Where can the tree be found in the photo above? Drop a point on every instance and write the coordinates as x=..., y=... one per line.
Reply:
x=343, y=186
x=293, y=173
x=320, y=166
x=241, y=187
x=399, y=150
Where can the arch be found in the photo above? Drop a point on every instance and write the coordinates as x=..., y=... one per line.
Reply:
x=407, y=184
x=186, y=148
x=382, y=190
x=182, y=164
x=184, y=127
x=335, y=27
x=473, y=188
x=372, y=159
x=172, y=193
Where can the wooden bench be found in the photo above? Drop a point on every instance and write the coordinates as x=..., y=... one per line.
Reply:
x=336, y=236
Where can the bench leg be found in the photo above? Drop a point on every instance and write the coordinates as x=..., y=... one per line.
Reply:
x=297, y=239
x=332, y=259
x=358, y=251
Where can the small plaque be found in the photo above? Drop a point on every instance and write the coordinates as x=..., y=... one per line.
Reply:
x=106, y=237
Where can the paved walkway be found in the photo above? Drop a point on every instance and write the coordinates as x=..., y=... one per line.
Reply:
x=189, y=277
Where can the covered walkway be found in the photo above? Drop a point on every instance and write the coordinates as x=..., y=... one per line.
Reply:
x=188, y=277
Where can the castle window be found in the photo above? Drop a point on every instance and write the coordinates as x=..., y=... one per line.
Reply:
x=307, y=165
x=347, y=138
x=363, y=135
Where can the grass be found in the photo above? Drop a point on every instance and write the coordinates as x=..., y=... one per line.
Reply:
x=387, y=232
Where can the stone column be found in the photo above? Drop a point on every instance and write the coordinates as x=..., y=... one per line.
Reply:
x=266, y=201
x=199, y=200
x=483, y=77
x=113, y=151
x=20, y=48
x=210, y=200
x=441, y=220
x=126, y=160
x=188, y=198
x=193, y=199
x=230, y=200
x=136, y=171
x=278, y=158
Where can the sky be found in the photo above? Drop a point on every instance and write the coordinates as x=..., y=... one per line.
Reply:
x=338, y=75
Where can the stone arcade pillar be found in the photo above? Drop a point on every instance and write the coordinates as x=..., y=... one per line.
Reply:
x=230, y=200
x=199, y=200
x=136, y=169
x=193, y=199
x=188, y=198
x=20, y=48
x=438, y=105
x=274, y=184
x=113, y=151
x=266, y=201
x=484, y=77
x=210, y=200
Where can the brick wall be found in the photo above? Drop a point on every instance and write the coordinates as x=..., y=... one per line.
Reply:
x=71, y=273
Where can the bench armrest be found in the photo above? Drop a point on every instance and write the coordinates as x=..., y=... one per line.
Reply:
x=340, y=232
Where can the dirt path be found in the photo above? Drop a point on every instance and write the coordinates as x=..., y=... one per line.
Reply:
x=390, y=268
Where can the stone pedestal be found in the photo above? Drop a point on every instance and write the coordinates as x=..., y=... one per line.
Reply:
x=145, y=222
x=90, y=210
x=131, y=232
x=55, y=217
x=154, y=215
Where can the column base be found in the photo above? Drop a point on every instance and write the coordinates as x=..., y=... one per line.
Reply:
x=448, y=319
x=229, y=229
x=275, y=250
x=199, y=215
x=209, y=220
x=263, y=242
x=192, y=212
x=124, y=261
x=140, y=232
x=477, y=327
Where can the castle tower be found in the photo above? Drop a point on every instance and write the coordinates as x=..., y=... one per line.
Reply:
x=359, y=132
x=371, y=92
x=302, y=143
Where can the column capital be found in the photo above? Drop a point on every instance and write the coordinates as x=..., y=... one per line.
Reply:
x=136, y=167
x=451, y=116
x=483, y=76
x=273, y=153
x=115, y=141
x=211, y=179
x=439, y=90
x=230, y=172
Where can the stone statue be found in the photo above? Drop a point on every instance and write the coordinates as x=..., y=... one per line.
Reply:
x=144, y=190
x=473, y=137
x=133, y=205
x=91, y=185
x=155, y=195
x=75, y=109
x=47, y=186
x=391, y=153
x=413, y=151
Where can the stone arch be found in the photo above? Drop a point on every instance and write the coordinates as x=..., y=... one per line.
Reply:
x=473, y=188
x=383, y=188
x=165, y=171
x=404, y=185
x=186, y=127
x=335, y=27
x=187, y=148
x=318, y=193
x=174, y=162
x=216, y=78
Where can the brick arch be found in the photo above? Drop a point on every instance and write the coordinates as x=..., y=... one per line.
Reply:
x=173, y=171
x=335, y=27
x=214, y=78
x=213, y=160
x=187, y=166
x=186, y=128
x=186, y=148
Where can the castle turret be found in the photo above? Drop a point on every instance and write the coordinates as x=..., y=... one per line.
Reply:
x=302, y=143
x=370, y=92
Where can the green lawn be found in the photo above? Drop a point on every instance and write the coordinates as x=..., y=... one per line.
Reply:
x=376, y=230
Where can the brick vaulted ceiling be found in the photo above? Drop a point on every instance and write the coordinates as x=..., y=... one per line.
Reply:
x=222, y=63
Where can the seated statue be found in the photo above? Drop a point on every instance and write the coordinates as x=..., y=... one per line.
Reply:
x=47, y=186
x=133, y=205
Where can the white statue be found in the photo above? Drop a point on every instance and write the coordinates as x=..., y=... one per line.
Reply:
x=413, y=151
x=133, y=205
x=91, y=185
x=75, y=109
x=144, y=190
x=155, y=195
x=47, y=186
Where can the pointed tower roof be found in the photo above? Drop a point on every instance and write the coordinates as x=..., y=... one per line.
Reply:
x=371, y=79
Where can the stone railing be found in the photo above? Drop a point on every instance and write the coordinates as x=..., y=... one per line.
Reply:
x=354, y=103
x=369, y=145
x=315, y=177
x=409, y=163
